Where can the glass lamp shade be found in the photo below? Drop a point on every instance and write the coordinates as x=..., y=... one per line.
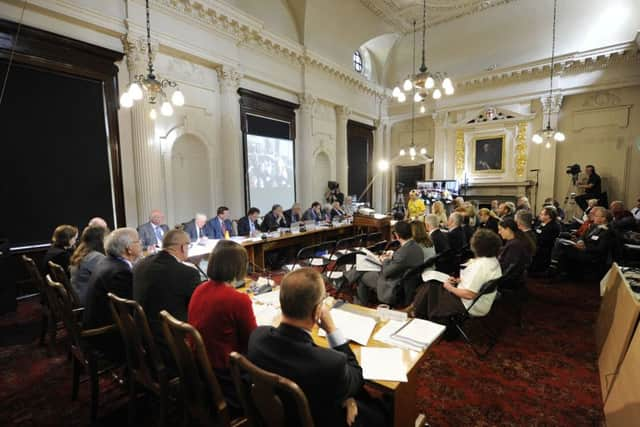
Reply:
x=547, y=145
x=153, y=114
x=537, y=138
x=396, y=92
x=448, y=90
x=177, y=98
x=126, y=101
x=423, y=151
x=422, y=109
x=412, y=152
x=402, y=152
x=417, y=97
x=559, y=136
x=135, y=92
x=429, y=83
x=407, y=85
x=437, y=94
x=383, y=165
x=447, y=83
x=402, y=97
x=166, y=109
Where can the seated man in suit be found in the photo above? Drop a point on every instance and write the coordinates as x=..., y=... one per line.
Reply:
x=314, y=213
x=329, y=377
x=524, y=220
x=197, y=228
x=112, y=274
x=248, y=225
x=394, y=265
x=96, y=221
x=162, y=282
x=593, y=248
x=152, y=232
x=294, y=214
x=221, y=224
x=337, y=211
x=274, y=219
x=506, y=210
x=440, y=242
x=456, y=235
x=547, y=232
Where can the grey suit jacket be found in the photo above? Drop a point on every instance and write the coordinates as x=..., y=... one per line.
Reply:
x=408, y=256
x=147, y=235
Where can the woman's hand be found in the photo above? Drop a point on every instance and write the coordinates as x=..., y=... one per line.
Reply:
x=352, y=410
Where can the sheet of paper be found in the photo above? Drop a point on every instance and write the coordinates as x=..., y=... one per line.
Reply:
x=420, y=332
x=434, y=275
x=364, y=264
x=354, y=327
x=382, y=364
x=266, y=315
x=384, y=336
x=269, y=298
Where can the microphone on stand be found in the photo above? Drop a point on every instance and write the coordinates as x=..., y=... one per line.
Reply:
x=255, y=287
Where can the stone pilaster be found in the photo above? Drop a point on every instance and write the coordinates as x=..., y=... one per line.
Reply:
x=342, y=166
x=304, y=149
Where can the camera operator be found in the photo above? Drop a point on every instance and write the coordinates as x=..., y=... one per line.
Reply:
x=593, y=188
x=334, y=194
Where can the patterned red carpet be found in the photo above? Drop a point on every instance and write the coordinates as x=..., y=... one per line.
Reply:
x=544, y=374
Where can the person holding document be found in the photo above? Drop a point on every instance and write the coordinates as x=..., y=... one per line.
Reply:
x=331, y=378
x=437, y=301
x=393, y=266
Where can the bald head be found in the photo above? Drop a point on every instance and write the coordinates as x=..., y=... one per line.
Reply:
x=98, y=222
x=301, y=291
x=156, y=217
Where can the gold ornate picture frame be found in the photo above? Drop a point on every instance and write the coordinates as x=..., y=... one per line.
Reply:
x=488, y=154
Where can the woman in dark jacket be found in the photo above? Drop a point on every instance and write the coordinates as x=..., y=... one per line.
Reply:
x=517, y=250
x=62, y=244
x=488, y=219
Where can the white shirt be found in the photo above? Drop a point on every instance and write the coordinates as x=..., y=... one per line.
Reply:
x=155, y=232
x=636, y=212
x=478, y=272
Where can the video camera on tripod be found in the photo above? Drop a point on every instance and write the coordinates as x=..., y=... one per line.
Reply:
x=574, y=170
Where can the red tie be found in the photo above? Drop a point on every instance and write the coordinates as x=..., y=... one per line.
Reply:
x=223, y=227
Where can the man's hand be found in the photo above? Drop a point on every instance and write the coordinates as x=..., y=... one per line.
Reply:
x=326, y=321
x=580, y=244
x=352, y=410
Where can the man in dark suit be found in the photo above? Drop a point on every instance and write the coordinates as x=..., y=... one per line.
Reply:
x=162, y=282
x=394, y=265
x=593, y=187
x=330, y=378
x=220, y=225
x=314, y=213
x=440, y=243
x=524, y=220
x=152, y=232
x=546, y=232
x=456, y=235
x=294, y=214
x=274, y=219
x=112, y=274
x=248, y=225
x=197, y=228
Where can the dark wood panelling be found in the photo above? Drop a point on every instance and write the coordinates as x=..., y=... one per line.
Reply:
x=359, y=158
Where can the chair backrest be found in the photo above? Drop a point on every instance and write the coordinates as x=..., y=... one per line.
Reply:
x=58, y=274
x=492, y=285
x=201, y=392
x=35, y=275
x=361, y=240
x=262, y=397
x=62, y=304
x=373, y=238
x=378, y=247
x=347, y=243
x=411, y=280
x=310, y=252
x=143, y=359
x=346, y=259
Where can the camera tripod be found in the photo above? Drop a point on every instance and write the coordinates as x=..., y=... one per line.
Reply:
x=570, y=206
x=399, y=206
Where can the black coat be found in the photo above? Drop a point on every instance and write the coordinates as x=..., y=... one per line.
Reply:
x=440, y=241
x=491, y=224
x=111, y=275
x=59, y=256
x=457, y=239
x=517, y=252
x=271, y=223
x=327, y=376
x=244, y=228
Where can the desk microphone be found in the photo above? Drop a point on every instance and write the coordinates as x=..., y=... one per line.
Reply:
x=257, y=290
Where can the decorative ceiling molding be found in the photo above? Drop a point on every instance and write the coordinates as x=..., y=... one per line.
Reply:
x=401, y=16
x=248, y=32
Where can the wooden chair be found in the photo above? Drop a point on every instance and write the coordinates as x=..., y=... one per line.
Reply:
x=373, y=238
x=82, y=353
x=262, y=396
x=204, y=403
x=144, y=363
x=58, y=275
x=49, y=321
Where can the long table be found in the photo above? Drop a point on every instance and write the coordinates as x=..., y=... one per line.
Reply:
x=257, y=247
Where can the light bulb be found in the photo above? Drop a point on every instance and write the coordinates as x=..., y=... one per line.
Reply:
x=166, y=109
x=423, y=151
x=407, y=85
x=537, y=138
x=559, y=136
x=412, y=152
x=153, y=114
x=396, y=92
x=135, y=91
x=547, y=145
x=125, y=100
x=417, y=97
x=437, y=94
x=402, y=97
x=429, y=83
x=177, y=98
x=402, y=152
x=422, y=109
x=447, y=83
x=448, y=90
x=383, y=165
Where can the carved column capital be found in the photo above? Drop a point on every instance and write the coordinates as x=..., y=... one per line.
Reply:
x=551, y=104
x=343, y=112
x=136, y=50
x=440, y=118
x=307, y=102
x=229, y=78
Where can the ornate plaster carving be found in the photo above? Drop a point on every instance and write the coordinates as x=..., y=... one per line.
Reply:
x=343, y=112
x=601, y=99
x=307, y=102
x=440, y=118
x=521, y=150
x=229, y=78
x=135, y=48
x=551, y=104
x=459, y=153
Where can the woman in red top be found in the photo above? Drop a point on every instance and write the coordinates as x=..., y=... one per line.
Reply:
x=223, y=316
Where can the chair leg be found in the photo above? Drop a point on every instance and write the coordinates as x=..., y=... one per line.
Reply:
x=132, y=401
x=479, y=354
x=76, y=379
x=95, y=388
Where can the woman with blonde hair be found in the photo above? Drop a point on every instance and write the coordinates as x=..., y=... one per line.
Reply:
x=415, y=206
x=438, y=210
x=488, y=219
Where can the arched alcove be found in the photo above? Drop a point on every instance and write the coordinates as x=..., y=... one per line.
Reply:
x=190, y=172
x=321, y=174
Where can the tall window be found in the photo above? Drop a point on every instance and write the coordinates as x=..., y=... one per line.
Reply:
x=357, y=61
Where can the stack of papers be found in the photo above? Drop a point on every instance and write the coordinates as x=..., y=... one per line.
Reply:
x=269, y=298
x=419, y=333
x=384, y=335
x=434, y=275
x=355, y=327
x=367, y=262
x=266, y=315
x=382, y=364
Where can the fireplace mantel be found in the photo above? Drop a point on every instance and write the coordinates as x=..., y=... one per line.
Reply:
x=484, y=192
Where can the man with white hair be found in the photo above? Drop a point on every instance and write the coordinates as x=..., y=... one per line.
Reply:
x=457, y=236
x=197, y=228
x=152, y=232
x=112, y=274
x=523, y=204
x=96, y=221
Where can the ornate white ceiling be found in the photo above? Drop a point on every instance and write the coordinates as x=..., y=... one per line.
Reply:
x=401, y=13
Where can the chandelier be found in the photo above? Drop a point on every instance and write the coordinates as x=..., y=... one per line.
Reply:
x=424, y=82
x=150, y=87
x=549, y=134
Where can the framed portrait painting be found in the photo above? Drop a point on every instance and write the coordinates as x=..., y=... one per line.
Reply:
x=488, y=154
